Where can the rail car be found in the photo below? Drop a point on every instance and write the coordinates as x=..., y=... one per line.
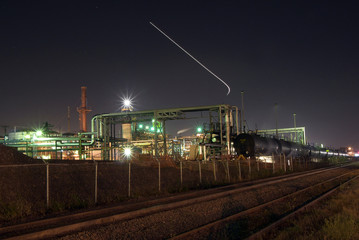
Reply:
x=252, y=145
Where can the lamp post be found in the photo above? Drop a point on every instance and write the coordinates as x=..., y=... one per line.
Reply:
x=276, y=119
x=242, y=114
x=295, y=128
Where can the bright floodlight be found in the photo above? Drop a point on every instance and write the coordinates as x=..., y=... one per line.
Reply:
x=38, y=133
x=127, y=152
x=127, y=103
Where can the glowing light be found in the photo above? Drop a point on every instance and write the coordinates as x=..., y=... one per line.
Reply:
x=158, y=130
x=147, y=127
x=349, y=148
x=152, y=128
x=229, y=89
x=140, y=126
x=127, y=152
x=199, y=129
x=38, y=133
x=27, y=136
x=127, y=103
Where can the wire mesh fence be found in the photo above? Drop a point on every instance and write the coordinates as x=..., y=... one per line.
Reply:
x=61, y=185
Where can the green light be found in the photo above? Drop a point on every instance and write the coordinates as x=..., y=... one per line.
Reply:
x=38, y=133
x=27, y=136
x=140, y=126
x=199, y=129
x=152, y=128
x=158, y=130
x=153, y=120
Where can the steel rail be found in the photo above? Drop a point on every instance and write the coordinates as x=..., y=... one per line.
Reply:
x=164, y=204
x=216, y=224
x=272, y=226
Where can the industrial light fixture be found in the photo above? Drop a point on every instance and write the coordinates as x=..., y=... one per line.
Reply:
x=127, y=103
x=127, y=152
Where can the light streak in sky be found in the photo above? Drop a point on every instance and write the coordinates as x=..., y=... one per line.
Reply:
x=229, y=89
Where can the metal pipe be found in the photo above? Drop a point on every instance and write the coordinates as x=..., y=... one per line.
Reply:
x=220, y=125
x=96, y=169
x=228, y=130
x=238, y=130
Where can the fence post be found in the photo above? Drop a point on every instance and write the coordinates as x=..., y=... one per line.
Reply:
x=96, y=169
x=200, y=172
x=291, y=163
x=129, y=178
x=159, y=175
x=47, y=185
x=214, y=170
x=273, y=161
x=249, y=168
x=239, y=170
x=181, y=171
x=228, y=176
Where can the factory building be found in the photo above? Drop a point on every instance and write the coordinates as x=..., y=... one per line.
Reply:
x=143, y=132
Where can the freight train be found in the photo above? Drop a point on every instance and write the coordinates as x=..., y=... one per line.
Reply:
x=252, y=145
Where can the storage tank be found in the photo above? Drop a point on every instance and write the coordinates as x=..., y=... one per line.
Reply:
x=126, y=131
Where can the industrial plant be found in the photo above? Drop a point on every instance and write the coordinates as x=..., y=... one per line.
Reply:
x=117, y=136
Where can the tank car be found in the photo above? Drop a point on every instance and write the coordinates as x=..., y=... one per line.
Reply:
x=250, y=145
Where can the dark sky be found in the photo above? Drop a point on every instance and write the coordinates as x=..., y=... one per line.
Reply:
x=302, y=55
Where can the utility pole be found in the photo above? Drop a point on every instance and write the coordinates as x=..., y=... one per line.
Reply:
x=242, y=114
x=276, y=119
x=295, y=128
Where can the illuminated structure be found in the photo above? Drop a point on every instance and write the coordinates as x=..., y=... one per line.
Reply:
x=148, y=130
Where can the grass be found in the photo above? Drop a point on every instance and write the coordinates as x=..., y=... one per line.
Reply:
x=338, y=218
x=14, y=210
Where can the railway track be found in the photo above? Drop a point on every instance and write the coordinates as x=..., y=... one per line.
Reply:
x=215, y=229
x=63, y=225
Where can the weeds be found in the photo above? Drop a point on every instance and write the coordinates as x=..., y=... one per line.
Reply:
x=341, y=227
x=14, y=210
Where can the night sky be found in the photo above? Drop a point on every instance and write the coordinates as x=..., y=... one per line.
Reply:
x=302, y=55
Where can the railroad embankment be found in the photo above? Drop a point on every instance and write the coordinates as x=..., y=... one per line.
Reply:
x=31, y=188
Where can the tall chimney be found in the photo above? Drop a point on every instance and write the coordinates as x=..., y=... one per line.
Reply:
x=83, y=110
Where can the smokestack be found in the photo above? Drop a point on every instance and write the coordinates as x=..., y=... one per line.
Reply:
x=83, y=110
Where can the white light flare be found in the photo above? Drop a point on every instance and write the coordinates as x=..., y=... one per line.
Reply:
x=127, y=152
x=229, y=89
x=127, y=103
